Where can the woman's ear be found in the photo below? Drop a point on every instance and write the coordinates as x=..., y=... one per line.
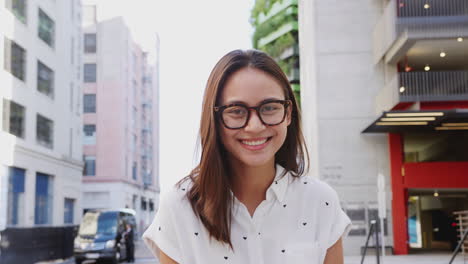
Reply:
x=289, y=114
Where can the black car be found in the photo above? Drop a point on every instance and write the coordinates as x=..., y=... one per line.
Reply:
x=100, y=235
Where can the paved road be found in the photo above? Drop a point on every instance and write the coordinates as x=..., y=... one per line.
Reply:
x=144, y=256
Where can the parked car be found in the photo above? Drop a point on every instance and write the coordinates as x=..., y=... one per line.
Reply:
x=100, y=235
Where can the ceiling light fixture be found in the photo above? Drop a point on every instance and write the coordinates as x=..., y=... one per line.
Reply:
x=436, y=194
x=427, y=68
x=402, y=89
x=442, y=54
x=415, y=114
x=427, y=6
x=430, y=118
x=454, y=124
x=401, y=123
x=452, y=128
x=460, y=39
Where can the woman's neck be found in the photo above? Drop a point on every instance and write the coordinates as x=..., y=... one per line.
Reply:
x=251, y=183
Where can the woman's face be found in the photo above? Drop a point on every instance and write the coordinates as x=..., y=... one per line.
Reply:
x=254, y=145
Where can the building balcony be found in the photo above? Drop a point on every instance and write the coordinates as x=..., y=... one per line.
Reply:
x=289, y=6
x=294, y=75
x=420, y=27
x=292, y=51
x=430, y=86
x=283, y=30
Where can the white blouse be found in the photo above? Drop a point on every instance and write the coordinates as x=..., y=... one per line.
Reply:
x=299, y=220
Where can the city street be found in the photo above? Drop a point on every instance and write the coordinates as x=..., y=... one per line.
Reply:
x=142, y=256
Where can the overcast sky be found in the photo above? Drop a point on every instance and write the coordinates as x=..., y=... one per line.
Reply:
x=193, y=35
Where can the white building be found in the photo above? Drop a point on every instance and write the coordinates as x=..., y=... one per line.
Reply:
x=338, y=82
x=120, y=120
x=40, y=104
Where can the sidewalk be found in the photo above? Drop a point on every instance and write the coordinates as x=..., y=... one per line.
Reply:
x=142, y=255
x=435, y=258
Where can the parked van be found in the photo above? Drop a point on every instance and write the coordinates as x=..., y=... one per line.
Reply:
x=100, y=235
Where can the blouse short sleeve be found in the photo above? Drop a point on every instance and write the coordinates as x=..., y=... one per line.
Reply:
x=161, y=234
x=341, y=224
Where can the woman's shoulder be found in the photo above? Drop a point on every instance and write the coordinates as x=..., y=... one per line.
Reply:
x=316, y=187
x=176, y=196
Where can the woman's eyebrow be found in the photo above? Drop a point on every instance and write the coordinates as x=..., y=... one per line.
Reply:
x=244, y=103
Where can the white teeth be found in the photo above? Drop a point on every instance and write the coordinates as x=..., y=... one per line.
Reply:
x=254, y=143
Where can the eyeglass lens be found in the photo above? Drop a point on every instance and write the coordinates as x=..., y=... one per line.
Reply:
x=270, y=113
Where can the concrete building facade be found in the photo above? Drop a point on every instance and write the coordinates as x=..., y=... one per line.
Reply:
x=40, y=102
x=383, y=87
x=120, y=120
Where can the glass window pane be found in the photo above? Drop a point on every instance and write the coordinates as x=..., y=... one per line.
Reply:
x=44, y=195
x=90, y=166
x=435, y=147
x=69, y=206
x=18, y=8
x=13, y=118
x=15, y=207
x=44, y=131
x=14, y=59
x=89, y=73
x=90, y=43
x=89, y=103
x=46, y=28
x=89, y=133
x=45, y=79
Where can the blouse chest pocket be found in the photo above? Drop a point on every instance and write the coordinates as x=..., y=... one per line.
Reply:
x=304, y=253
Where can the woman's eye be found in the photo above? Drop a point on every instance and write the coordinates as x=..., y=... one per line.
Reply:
x=235, y=111
x=269, y=108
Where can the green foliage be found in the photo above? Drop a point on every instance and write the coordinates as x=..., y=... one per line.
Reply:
x=278, y=46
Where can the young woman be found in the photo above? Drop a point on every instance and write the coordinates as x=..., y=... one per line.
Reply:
x=249, y=200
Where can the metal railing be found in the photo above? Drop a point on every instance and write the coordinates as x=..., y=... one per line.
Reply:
x=433, y=86
x=460, y=245
x=372, y=230
x=419, y=8
x=441, y=19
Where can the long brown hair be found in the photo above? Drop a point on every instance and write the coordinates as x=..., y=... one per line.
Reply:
x=209, y=193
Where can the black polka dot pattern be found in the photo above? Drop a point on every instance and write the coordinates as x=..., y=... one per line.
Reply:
x=196, y=233
x=284, y=205
x=326, y=203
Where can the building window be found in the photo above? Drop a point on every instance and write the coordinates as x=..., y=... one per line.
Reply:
x=89, y=132
x=151, y=205
x=90, y=43
x=46, y=28
x=90, y=166
x=89, y=73
x=69, y=207
x=44, y=131
x=44, y=198
x=435, y=147
x=143, y=204
x=15, y=59
x=15, y=208
x=134, y=171
x=45, y=79
x=18, y=8
x=13, y=118
x=89, y=103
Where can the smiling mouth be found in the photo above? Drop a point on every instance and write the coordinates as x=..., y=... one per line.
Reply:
x=256, y=142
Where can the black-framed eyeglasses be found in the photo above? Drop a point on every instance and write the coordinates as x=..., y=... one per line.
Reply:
x=237, y=115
